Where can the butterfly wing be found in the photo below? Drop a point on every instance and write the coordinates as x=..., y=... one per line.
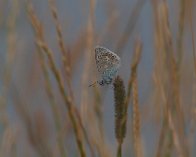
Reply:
x=106, y=59
x=107, y=63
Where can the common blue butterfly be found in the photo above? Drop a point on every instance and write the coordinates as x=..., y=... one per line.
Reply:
x=107, y=63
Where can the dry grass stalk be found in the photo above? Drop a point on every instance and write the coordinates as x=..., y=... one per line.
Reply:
x=98, y=109
x=120, y=112
x=64, y=52
x=130, y=26
x=52, y=101
x=193, y=109
x=65, y=98
x=136, y=121
x=175, y=136
x=169, y=79
x=49, y=91
x=107, y=29
x=170, y=84
x=164, y=127
x=68, y=102
x=8, y=142
x=10, y=55
x=86, y=74
x=134, y=65
x=181, y=24
x=96, y=129
x=192, y=36
x=173, y=81
x=160, y=76
x=33, y=133
x=136, y=113
x=120, y=134
x=66, y=62
x=86, y=109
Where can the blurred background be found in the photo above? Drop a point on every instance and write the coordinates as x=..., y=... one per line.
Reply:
x=47, y=108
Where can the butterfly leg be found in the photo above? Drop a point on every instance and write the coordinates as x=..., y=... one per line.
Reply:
x=101, y=82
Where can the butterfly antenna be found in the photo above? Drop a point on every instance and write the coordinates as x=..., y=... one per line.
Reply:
x=92, y=84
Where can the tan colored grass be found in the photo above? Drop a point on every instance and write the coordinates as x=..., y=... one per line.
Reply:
x=123, y=39
x=133, y=67
x=67, y=66
x=137, y=141
x=64, y=52
x=136, y=122
x=68, y=102
x=180, y=38
x=173, y=92
x=88, y=55
x=10, y=56
x=168, y=82
x=53, y=103
x=192, y=35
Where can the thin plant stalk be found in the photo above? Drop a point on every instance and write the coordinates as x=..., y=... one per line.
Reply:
x=192, y=37
x=120, y=113
x=48, y=88
x=130, y=25
x=68, y=103
x=136, y=113
x=67, y=67
x=119, y=151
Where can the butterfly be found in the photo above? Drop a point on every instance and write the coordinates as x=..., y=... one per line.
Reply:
x=107, y=63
